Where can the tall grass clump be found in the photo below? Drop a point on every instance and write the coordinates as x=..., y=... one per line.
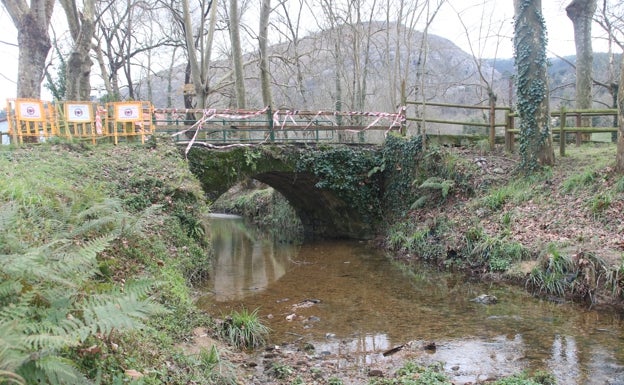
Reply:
x=244, y=329
x=554, y=275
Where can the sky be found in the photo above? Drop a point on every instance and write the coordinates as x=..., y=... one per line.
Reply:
x=449, y=23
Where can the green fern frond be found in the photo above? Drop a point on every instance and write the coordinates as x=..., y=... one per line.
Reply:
x=8, y=288
x=141, y=288
x=52, y=370
x=103, y=313
x=8, y=378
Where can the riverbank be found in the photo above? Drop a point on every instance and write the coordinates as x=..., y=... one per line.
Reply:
x=559, y=232
x=100, y=249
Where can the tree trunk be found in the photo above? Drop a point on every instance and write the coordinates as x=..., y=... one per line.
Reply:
x=33, y=41
x=619, y=158
x=265, y=75
x=237, y=55
x=532, y=85
x=581, y=13
x=82, y=29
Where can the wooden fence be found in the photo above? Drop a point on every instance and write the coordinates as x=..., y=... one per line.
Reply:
x=504, y=117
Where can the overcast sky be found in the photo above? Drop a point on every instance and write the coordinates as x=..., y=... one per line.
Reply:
x=488, y=39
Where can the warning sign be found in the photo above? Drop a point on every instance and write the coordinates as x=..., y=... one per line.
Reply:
x=78, y=112
x=30, y=110
x=128, y=112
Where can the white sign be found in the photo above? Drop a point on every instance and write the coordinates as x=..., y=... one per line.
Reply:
x=78, y=112
x=29, y=110
x=128, y=112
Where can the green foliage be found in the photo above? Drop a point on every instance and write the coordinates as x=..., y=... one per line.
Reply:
x=600, y=203
x=244, y=329
x=619, y=185
x=497, y=253
x=579, y=181
x=56, y=216
x=434, y=188
x=517, y=191
x=413, y=374
x=538, y=378
x=48, y=301
x=280, y=371
x=423, y=241
x=334, y=381
x=401, y=157
x=347, y=172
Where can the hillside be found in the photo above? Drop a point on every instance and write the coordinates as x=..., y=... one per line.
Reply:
x=450, y=74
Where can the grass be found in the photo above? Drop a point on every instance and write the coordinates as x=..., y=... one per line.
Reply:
x=243, y=329
x=516, y=192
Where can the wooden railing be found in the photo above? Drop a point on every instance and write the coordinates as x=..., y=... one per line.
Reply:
x=561, y=129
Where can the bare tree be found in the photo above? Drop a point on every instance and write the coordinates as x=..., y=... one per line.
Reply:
x=32, y=23
x=265, y=75
x=237, y=54
x=292, y=25
x=532, y=85
x=199, y=48
x=485, y=36
x=121, y=28
x=581, y=13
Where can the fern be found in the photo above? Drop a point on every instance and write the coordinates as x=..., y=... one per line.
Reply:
x=47, y=300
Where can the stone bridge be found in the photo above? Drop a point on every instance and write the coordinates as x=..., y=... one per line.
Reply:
x=324, y=212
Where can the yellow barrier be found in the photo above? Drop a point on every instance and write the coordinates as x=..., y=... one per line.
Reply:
x=32, y=120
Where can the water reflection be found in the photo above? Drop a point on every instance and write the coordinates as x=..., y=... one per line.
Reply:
x=245, y=260
x=347, y=299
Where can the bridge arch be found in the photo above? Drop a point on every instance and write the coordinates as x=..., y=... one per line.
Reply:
x=323, y=212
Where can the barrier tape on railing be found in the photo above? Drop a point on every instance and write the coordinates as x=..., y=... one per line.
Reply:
x=397, y=119
x=211, y=114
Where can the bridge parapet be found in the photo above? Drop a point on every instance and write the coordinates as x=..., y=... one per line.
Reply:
x=325, y=212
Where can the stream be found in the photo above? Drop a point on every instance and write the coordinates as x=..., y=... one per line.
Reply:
x=349, y=299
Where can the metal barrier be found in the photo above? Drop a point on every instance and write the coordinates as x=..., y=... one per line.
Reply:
x=31, y=120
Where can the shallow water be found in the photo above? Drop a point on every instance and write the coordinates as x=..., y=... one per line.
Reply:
x=350, y=300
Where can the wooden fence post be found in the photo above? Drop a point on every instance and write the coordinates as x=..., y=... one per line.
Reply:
x=562, y=137
x=492, y=122
x=509, y=136
x=579, y=137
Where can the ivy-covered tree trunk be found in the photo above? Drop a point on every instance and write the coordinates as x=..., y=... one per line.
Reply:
x=619, y=158
x=532, y=85
x=581, y=13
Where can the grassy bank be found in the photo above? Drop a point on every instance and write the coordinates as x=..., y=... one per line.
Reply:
x=99, y=247
x=560, y=232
